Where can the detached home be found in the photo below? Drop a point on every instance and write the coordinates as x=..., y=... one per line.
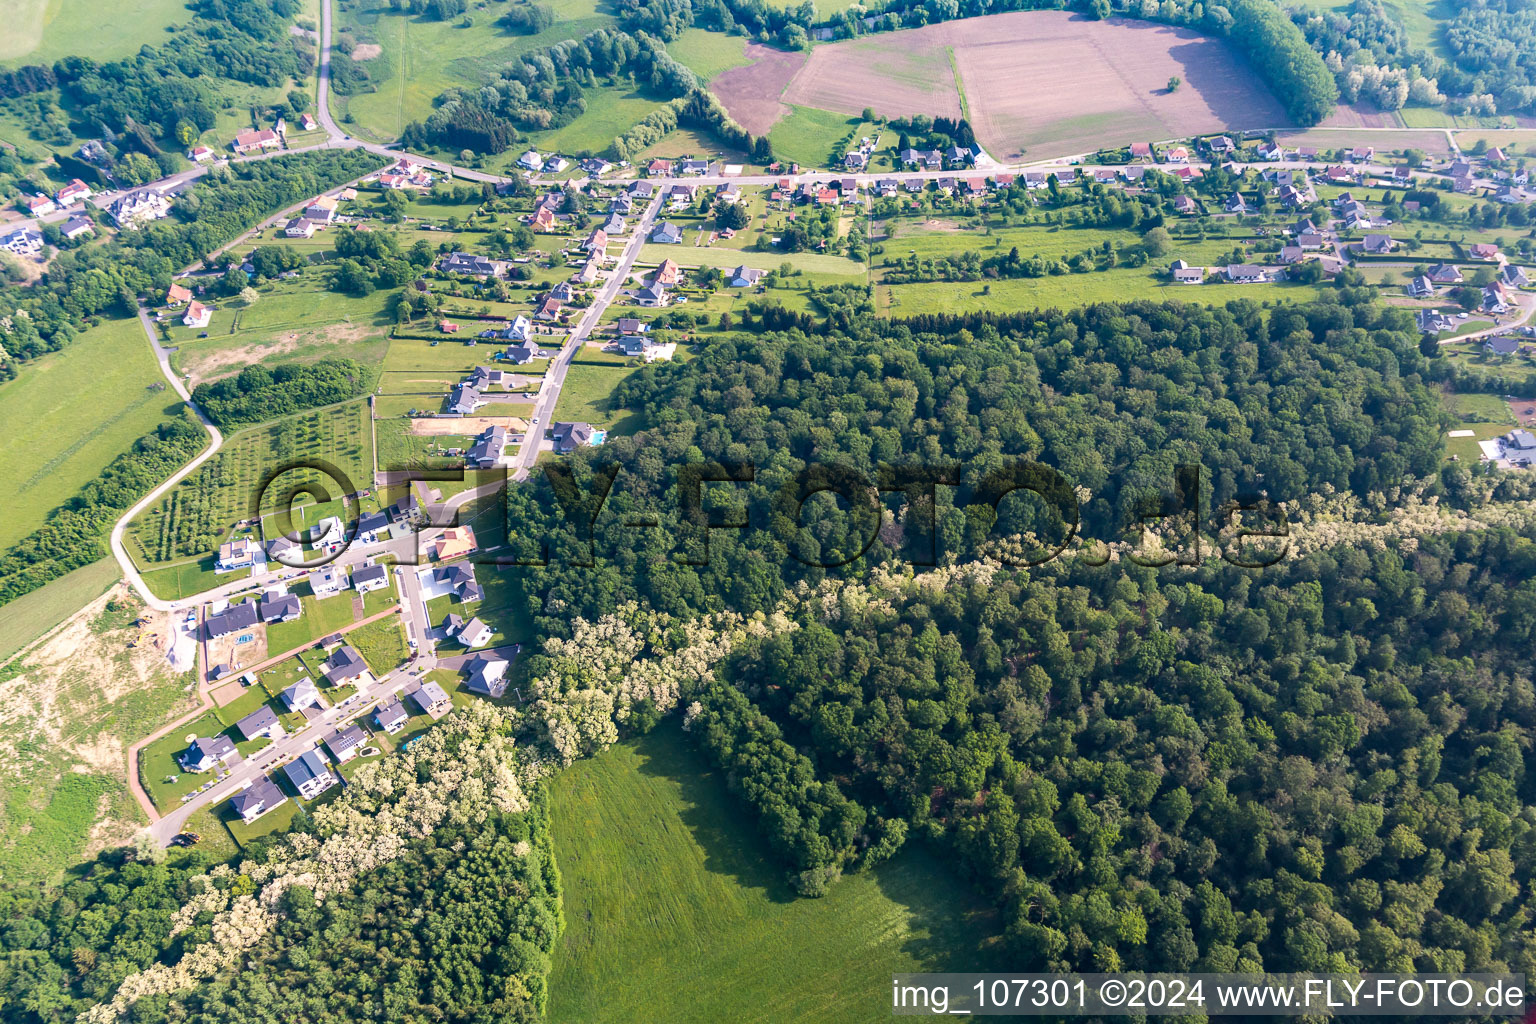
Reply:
x=309, y=774
x=257, y=799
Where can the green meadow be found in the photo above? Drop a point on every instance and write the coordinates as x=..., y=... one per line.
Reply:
x=674, y=911
x=70, y=413
x=42, y=31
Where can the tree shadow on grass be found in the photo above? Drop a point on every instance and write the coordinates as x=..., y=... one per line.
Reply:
x=721, y=822
x=952, y=927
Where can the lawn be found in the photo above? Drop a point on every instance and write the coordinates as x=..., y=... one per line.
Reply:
x=382, y=644
x=611, y=111
x=1070, y=290
x=70, y=413
x=709, y=53
x=584, y=398
x=807, y=135
x=674, y=912
x=159, y=772
x=31, y=615
x=42, y=31
x=320, y=618
x=425, y=57
x=709, y=256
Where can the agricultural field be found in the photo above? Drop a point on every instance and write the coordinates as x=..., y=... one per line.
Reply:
x=70, y=413
x=194, y=517
x=297, y=320
x=42, y=31
x=752, y=92
x=1045, y=83
x=424, y=57
x=674, y=912
x=73, y=704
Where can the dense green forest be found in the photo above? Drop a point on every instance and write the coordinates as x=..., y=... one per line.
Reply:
x=1317, y=764
x=258, y=393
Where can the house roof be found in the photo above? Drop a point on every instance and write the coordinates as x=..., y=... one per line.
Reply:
x=255, y=722
x=295, y=694
x=279, y=608
x=306, y=767
x=345, y=664
x=349, y=739
x=217, y=747
x=391, y=714
x=259, y=797
x=474, y=627
x=237, y=616
x=426, y=694
x=369, y=574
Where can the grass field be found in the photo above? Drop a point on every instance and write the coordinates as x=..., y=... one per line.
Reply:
x=425, y=57
x=70, y=413
x=709, y=53
x=382, y=644
x=584, y=398
x=31, y=615
x=674, y=912
x=1068, y=290
x=807, y=134
x=711, y=256
x=42, y=31
x=293, y=321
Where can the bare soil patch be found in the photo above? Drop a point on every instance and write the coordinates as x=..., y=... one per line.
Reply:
x=895, y=73
x=228, y=693
x=366, y=51
x=465, y=425
x=1363, y=115
x=1524, y=411
x=228, y=650
x=752, y=93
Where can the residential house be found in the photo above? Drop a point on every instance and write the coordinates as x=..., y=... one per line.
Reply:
x=76, y=191
x=1291, y=253
x=743, y=277
x=653, y=296
x=285, y=551
x=457, y=579
x=563, y=291
x=22, y=242
x=1421, y=287
x=474, y=633
x=1493, y=299
x=464, y=400
x=309, y=774
x=730, y=192
x=544, y=220
x=277, y=607
x=679, y=196
x=301, y=227
x=668, y=273
x=1378, y=245
x=430, y=698
x=487, y=675
x=344, y=744
x=520, y=329
x=328, y=581
x=1460, y=168
x=1240, y=273
x=372, y=527
x=302, y=694
x=914, y=185
x=369, y=578
x=260, y=724
x=345, y=666
x=1035, y=180
x=1513, y=276
x=958, y=155
x=242, y=553
x=197, y=316
x=642, y=189
x=262, y=138
x=614, y=225
x=322, y=209
x=522, y=353
x=468, y=264
x=490, y=448
x=1509, y=194
x=257, y=799
x=1235, y=204
x=1483, y=251
x=137, y=208
x=1464, y=184
x=1177, y=155
x=667, y=233
x=1501, y=346
x=1311, y=241
x=692, y=166
x=1221, y=145
x=1362, y=154
x=589, y=272
x=1183, y=273
x=630, y=325
x=1141, y=151
x=455, y=542
x=548, y=309
x=570, y=436
x=854, y=160
x=39, y=205
x=75, y=227
x=204, y=754
x=1271, y=151
x=596, y=166
x=232, y=620
x=597, y=241
x=531, y=161
x=392, y=717
x=177, y=295
x=200, y=154
x=1185, y=206
x=1432, y=321
x=1445, y=273
x=1339, y=173
x=307, y=122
